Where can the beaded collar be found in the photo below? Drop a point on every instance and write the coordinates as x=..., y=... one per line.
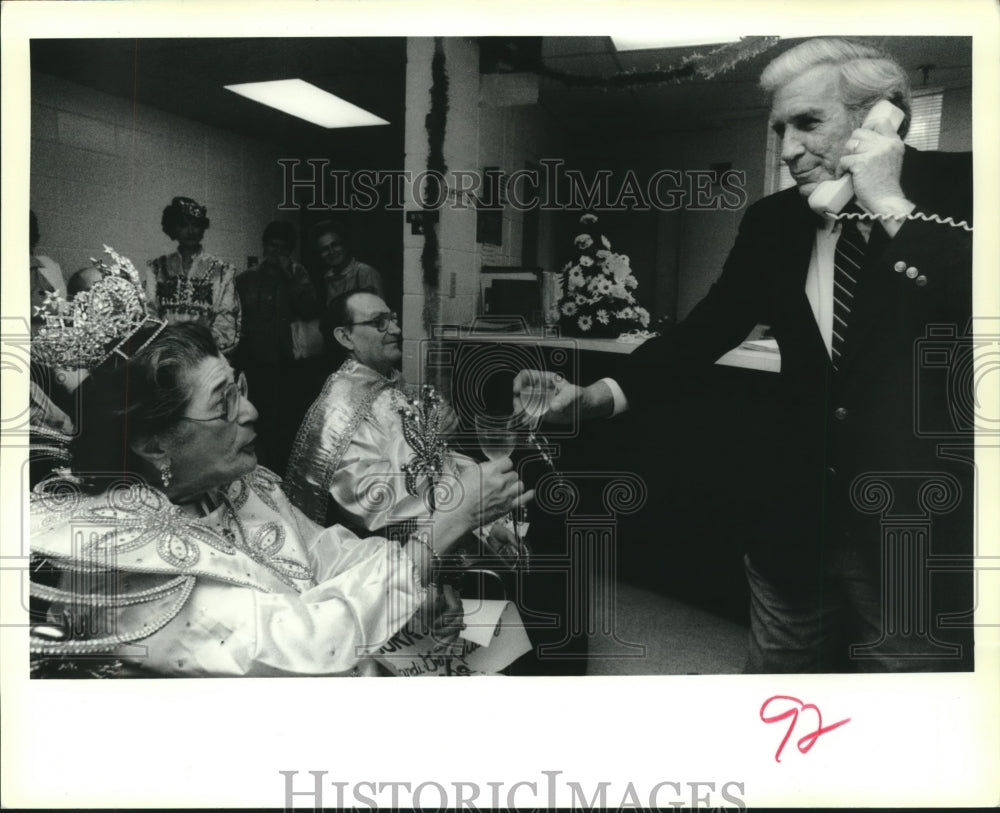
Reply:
x=134, y=527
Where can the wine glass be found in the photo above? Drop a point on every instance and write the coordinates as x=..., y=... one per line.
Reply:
x=535, y=398
x=497, y=437
x=496, y=434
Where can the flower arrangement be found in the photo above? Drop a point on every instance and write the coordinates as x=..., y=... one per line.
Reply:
x=598, y=298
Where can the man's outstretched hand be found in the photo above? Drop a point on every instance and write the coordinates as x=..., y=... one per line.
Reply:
x=540, y=395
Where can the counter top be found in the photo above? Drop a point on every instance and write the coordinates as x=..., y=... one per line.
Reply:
x=754, y=355
x=760, y=355
x=548, y=336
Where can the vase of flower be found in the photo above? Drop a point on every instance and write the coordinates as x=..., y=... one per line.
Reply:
x=598, y=288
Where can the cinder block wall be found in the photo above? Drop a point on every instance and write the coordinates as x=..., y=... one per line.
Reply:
x=102, y=169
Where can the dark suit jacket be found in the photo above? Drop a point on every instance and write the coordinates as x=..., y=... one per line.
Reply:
x=890, y=404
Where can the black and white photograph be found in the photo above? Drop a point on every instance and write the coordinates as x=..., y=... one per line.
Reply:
x=644, y=373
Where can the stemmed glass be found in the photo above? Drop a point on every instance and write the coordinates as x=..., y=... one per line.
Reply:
x=497, y=436
x=535, y=399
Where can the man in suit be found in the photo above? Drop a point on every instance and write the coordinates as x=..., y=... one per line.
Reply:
x=864, y=494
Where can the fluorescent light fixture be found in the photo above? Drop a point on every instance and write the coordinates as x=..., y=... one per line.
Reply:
x=645, y=43
x=299, y=98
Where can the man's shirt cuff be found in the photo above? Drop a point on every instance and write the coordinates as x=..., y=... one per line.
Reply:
x=618, y=397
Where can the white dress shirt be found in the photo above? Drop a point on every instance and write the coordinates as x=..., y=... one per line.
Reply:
x=819, y=291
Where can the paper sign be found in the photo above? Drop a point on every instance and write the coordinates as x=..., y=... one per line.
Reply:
x=493, y=639
x=501, y=642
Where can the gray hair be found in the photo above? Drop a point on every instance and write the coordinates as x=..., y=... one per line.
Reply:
x=124, y=400
x=867, y=74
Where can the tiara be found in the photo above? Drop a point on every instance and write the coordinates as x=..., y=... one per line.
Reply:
x=190, y=207
x=85, y=331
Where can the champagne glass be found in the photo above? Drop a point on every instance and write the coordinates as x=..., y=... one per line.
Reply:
x=535, y=399
x=497, y=436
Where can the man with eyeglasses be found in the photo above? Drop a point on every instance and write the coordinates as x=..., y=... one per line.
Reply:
x=353, y=431
x=362, y=435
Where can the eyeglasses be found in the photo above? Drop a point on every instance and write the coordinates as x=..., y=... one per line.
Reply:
x=380, y=322
x=232, y=396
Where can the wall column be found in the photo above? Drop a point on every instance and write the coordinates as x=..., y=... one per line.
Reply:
x=453, y=301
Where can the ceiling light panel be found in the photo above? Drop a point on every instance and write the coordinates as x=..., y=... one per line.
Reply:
x=305, y=101
x=641, y=43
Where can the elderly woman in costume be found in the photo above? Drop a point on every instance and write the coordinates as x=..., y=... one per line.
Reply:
x=191, y=284
x=341, y=272
x=182, y=556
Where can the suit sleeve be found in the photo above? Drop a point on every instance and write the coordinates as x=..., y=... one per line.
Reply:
x=733, y=305
x=940, y=250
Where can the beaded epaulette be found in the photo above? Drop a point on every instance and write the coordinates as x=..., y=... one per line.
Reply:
x=421, y=421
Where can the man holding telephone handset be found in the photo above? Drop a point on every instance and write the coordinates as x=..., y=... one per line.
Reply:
x=833, y=586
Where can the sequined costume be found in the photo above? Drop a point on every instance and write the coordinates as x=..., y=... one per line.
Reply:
x=206, y=292
x=352, y=448
x=253, y=588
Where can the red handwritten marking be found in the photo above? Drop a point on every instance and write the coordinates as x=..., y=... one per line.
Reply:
x=809, y=740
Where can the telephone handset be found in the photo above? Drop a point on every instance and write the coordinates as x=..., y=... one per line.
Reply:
x=830, y=197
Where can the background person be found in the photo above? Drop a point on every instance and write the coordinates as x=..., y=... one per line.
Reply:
x=340, y=272
x=191, y=284
x=46, y=275
x=281, y=344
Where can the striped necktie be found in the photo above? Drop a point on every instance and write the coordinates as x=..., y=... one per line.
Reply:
x=847, y=261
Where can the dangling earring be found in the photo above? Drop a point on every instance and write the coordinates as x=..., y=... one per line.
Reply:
x=165, y=474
